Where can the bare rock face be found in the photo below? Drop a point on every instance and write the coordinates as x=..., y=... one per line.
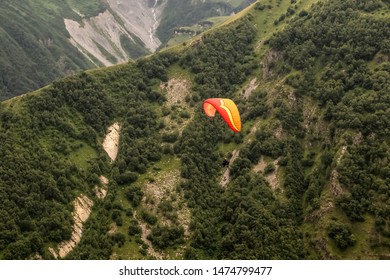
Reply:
x=250, y=88
x=101, y=192
x=97, y=33
x=334, y=183
x=99, y=37
x=177, y=90
x=271, y=178
x=140, y=19
x=82, y=210
x=111, y=141
x=225, y=180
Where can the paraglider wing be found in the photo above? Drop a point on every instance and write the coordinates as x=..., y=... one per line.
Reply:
x=226, y=108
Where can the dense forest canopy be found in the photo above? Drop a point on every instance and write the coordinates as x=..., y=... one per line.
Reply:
x=308, y=175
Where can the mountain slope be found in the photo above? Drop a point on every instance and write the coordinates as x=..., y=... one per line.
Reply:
x=123, y=31
x=33, y=52
x=307, y=176
x=42, y=41
x=342, y=76
x=58, y=39
x=184, y=13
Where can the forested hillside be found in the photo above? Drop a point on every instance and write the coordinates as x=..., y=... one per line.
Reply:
x=34, y=47
x=306, y=178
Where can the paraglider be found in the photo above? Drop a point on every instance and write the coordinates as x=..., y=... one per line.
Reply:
x=226, y=108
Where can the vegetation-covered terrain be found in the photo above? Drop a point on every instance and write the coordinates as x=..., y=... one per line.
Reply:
x=36, y=46
x=307, y=177
x=194, y=11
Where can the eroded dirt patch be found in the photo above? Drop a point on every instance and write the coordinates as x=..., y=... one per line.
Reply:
x=101, y=192
x=82, y=210
x=272, y=177
x=250, y=88
x=225, y=180
x=163, y=189
x=177, y=90
x=335, y=186
x=111, y=141
x=180, y=113
x=334, y=183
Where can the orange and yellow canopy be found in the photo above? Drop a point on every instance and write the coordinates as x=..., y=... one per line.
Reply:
x=226, y=108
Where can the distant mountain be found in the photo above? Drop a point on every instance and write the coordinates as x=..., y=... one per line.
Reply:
x=42, y=41
x=34, y=46
x=121, y=162
x=183, y=13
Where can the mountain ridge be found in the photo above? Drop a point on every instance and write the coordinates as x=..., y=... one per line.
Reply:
x=316, y=126
x=43, y=41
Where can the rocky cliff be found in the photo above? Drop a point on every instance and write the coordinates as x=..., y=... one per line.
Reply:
x=123, y=31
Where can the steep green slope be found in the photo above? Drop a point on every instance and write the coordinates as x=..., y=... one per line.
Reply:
x=185, y=13
x=34, y=46
x=37, y=46
x=343, y=67
x=308, y=175
x=56, y=125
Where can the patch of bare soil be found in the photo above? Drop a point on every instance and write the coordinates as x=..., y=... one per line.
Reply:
x=177, y=90
x=250, y=88
x=226, y=175
x=163, y=188
x=113, y=228
x=291, y=97
x=82, y=210
x=317, y=218
x=111, y=141
x=145, y=232
x=255, y=127
x=278, y=131
x=322, y=249
x=357, y=139
x=164, y=184
x=313, y=123
x=103, y=180
x=334, y=183
x=317, y=215
x=260, y=166
x=101, y=192
x=272, y=177
x=342, y=153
